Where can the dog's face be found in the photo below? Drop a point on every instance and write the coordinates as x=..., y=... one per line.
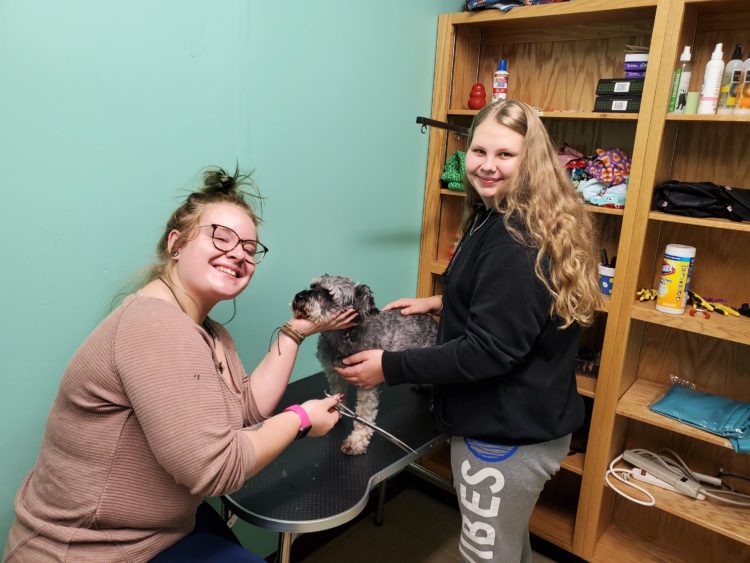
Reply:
x=329, y=295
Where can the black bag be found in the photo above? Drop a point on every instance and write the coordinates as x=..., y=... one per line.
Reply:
x=702, y=199
x=739, y=202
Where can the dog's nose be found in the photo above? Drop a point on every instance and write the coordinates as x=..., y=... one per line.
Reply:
x=301, y=298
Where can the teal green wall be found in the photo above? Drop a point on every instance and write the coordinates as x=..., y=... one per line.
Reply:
x=109, y=109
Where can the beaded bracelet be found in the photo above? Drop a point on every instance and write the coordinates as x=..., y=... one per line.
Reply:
x=292, y=332
x=296, y=335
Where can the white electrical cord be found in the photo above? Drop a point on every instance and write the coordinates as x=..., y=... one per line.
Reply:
x=714, y=492
x=712, y=488
x=623, y=475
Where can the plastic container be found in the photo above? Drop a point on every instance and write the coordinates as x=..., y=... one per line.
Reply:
x=681, y=82
x=730, y=82
x=712, y=82
x=691, y=103
x=742, y=106
x=619, y=86
x=676, y=271
x=617, y=104
x=606, y=279
x=500, y=82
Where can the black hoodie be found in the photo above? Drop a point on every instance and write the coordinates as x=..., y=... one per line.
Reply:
x=502, y=369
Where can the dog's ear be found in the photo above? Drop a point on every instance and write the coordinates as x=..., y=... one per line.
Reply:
x=364, y=300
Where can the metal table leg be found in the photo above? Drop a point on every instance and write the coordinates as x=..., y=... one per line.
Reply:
x=285, y=547
x=378, y=520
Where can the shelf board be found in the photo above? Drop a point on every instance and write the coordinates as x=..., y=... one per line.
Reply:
x=580, y=8
x=553, y=522
x=734, y=329
x=438, y=460
x=586, y=385
x=574, y=463
x=438, y=266
x=606, y=299
x=723, y=519
x=634, y=404
x=589, y=207
x=713, y=223
x=570, y=114
x=443, y=191
x=618, y=544
x=709, y=118
x=604, y=210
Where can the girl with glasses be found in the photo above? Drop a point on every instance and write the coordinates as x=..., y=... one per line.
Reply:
x=155, y=411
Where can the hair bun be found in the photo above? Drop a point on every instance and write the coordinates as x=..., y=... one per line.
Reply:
x=217, y=180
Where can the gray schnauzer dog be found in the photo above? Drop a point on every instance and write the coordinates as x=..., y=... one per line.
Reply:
x=386, y=330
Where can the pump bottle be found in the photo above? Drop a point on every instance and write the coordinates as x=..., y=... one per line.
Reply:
x=742, y=107
x=500, y=82
x=712, y=82
x=681, y=82
x=730, y=82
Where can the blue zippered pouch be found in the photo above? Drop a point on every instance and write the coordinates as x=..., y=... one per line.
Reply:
x=713, y=413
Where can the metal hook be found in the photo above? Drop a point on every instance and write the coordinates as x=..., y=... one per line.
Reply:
x=424, y=121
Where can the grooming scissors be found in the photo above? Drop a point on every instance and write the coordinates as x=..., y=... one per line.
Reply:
x=349, y=413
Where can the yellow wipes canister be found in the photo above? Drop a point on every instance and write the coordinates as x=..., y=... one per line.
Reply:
x=676, y=271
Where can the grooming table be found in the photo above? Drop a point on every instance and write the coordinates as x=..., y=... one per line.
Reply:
x=312, y=486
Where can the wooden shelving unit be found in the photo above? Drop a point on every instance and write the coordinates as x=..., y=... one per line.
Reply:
x=556, y=54
x=712, y=353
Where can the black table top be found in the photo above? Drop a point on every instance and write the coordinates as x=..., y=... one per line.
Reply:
x=312, y=486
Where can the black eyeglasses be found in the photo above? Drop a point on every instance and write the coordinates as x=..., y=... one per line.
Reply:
x=226, y=240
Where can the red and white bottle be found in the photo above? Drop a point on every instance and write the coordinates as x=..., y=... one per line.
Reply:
x=500, y=82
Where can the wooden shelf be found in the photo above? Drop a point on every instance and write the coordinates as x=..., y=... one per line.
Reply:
x=444, y=191
x=586, y=385
x=438, y=266
x=708, y=118
x=634, y=404
x=580, y=9
x=574, y=463
x=589, y=207
x=438, y=460
x=726, y=520
x=734, y=329
x=569, y=114
x=604, y=210
x=701, y=222
x=616, y=544
x=553, y=522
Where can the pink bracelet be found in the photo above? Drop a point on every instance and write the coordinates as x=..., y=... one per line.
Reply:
x=304, y=420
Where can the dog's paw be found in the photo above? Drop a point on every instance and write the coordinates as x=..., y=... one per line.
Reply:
x=353, y=446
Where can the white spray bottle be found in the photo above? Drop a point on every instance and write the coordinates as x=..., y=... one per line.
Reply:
x=712, y=82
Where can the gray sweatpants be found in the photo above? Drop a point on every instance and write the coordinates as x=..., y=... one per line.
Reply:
x=497, y=488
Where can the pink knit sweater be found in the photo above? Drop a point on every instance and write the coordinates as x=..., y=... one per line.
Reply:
x=142, y=429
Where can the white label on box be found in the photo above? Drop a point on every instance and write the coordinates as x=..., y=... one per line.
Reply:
x=622, y=86
x=619, y=105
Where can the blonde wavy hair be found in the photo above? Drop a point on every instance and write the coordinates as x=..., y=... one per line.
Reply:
x=543, y=201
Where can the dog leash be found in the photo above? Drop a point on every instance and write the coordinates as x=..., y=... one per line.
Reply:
x=349, y=413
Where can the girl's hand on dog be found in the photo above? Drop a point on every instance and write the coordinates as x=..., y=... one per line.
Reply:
x=323, y=414
x=340, y=321
x=417, y=305
x=364, y=369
